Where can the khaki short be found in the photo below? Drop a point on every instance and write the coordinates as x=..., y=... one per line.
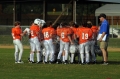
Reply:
x=104, y=44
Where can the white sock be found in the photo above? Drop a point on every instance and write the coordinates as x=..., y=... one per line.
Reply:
x=46, y=57
x=16, y=56
x=87, y=57
x=82, y=57
x=63, y=58
x=32, y=57
x=38, y=57
x=20, y=55
x=72, y=58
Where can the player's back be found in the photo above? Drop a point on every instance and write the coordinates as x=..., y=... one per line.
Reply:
x=16, y=33
x=34, y=29
x=85, y=34
x=64, y=32
x=47, y=33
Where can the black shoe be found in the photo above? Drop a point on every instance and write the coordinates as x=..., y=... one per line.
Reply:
x=82, y=64
x=79, y=62
x=66, y=62
x=28, y=59
x=32, y=62
x=45, y=62
x=39, y=62
x=94, y=62
x=58, y=61
x=71, y=63
x=51, y=62
x=19, y=61
x=87, y=63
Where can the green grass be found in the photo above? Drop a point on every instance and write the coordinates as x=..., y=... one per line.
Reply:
x=114, y=42
x=7, y=40
x=10, y=70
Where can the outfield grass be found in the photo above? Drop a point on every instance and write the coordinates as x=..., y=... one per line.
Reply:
x=10, y=70
x=7, y=40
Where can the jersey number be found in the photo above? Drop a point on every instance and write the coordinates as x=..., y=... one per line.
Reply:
x=46, y=34
x=84, y=35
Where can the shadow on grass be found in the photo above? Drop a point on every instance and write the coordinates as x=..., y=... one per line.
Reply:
x=110, y=62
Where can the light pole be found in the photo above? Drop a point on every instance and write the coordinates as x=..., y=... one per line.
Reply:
x=13, y=11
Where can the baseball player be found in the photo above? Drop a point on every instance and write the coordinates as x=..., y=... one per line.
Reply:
x=48, y=32
x=73, y=36
x=34, y=41
x=16, y=34
x=92, y=42
x=84, y=34
x=65, y=39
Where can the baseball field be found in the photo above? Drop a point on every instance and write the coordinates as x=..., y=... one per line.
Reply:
x=10, y=70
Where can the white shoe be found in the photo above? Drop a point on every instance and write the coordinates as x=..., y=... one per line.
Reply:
x=16, y=62
x=20, y=62
x=105, y=63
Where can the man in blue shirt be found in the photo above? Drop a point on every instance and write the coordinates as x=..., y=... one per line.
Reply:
x=103, y=37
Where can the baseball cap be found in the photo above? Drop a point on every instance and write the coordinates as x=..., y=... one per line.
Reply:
x=102, y=15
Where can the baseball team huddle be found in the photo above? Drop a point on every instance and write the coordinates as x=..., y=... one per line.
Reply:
x=58, y=43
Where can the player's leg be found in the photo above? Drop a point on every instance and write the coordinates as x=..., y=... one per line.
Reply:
x=63, y=56
x=16, y=51
x=103, y=47
x=81, y=50
x=38, y=49
x=46, y=50
x=66, y=51
x=20, y=47
x=52, y=52
x=72, y=58
x=92, y=52
x=32, y=47
x=61, y=51
x=87, y=55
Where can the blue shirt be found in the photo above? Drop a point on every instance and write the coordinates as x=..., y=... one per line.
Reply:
x=104, y=27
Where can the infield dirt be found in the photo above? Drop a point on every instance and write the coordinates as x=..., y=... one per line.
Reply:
x=27, y=47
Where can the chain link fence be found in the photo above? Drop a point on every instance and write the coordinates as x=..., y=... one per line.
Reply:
x=6, y=38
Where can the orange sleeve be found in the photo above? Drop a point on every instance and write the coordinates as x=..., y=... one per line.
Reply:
x=90, y=34
x=58, y=31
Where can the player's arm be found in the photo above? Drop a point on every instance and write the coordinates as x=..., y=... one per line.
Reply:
x=13, y=35
x=69, y=37
x=90, y=34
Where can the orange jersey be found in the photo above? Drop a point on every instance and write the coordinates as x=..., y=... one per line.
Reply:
x=16, y=33
x=95, y=28
x=95, y=31
x=73, y=32
x=74, y=29
x=63, y=33
x=58, y=31
x=53, y=31
x=48, y=32
x=34, y=29
x=84, y=34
